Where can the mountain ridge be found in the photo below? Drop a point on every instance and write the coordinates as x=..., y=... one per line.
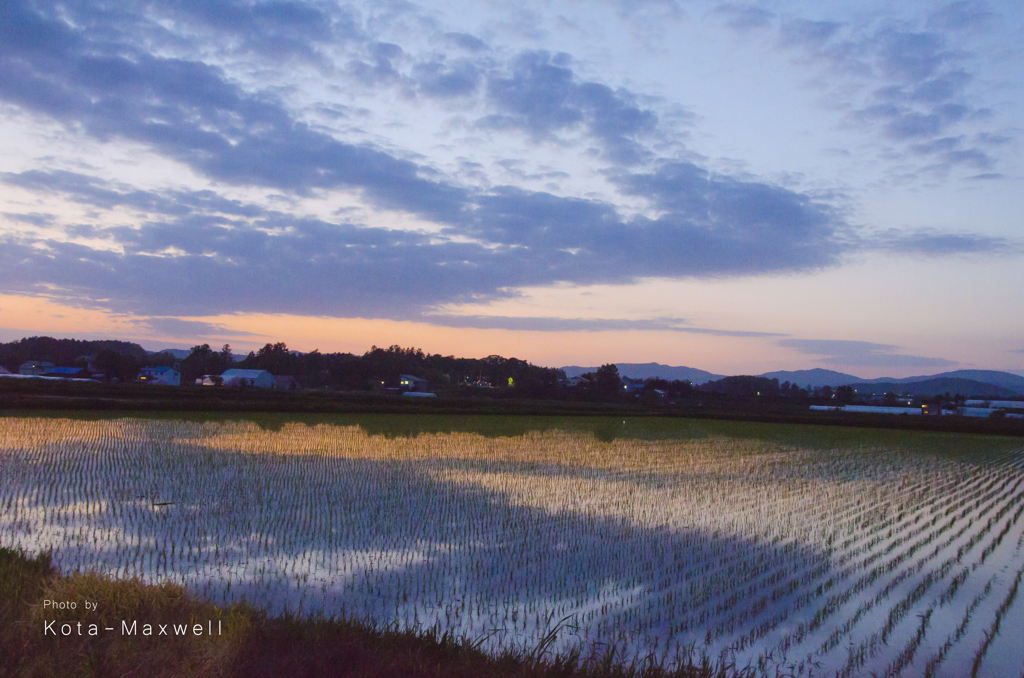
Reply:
x=646, y=370
x=963, y=381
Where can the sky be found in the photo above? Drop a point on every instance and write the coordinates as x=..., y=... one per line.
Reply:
x=734, y=187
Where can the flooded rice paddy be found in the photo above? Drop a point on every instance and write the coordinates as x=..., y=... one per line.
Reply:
x=804, y=550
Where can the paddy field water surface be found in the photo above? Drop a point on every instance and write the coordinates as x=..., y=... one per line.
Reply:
x=809, y=550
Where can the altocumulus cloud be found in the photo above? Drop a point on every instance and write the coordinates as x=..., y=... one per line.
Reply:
x=909, y=84
x=125, y=73
x=259, y=260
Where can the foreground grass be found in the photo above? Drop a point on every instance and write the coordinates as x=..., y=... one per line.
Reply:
x=250, y=644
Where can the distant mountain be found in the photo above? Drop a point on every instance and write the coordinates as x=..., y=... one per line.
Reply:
x=985, y=383
x=816, y=377
x=649, y=370
x=960, y=380
x=1006, y=380
x=935, y=386
x=178, y=353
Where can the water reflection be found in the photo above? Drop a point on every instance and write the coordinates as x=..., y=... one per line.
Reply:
x=646, y=545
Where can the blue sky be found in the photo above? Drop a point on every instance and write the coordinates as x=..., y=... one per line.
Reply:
x=736, y=187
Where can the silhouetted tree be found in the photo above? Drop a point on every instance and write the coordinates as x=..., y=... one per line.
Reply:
x=124, y=368
x=607, y=379
x=204, y=360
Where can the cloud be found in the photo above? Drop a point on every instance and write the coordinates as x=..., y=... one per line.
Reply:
x=176, y=327
x=961, y=16
x=811, y=35
x=910, y=56
x=717, y=222
x=916, y=80
x=195, y=268
x=93, y=191
x=380, y=69
x=465, y=41
x=446, y=79
x=710, y=226
x=542, y=96
x=208, y=264
x=193, y=253
x=191, y=112
x=861, y=353
x=744, y=18
x=187, y=244
x=548, y=324
x=33, y=218
x=276, y=30
x=932, y=243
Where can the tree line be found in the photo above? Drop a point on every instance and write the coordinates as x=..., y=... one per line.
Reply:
x=379, y=369
x=115, y=359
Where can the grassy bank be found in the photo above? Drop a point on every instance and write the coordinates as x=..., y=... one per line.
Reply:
x=244, y=642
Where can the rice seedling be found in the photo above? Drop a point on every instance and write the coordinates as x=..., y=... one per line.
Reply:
x=848, y=558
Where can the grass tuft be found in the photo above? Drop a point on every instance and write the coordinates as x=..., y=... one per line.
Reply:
x=252, y=644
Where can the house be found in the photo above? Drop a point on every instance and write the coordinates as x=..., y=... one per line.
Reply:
x=867, y=408
x=993, y=404
x=34, y=368
x=408, y=382
x=257, y=378
x=164, y=376
x=577, y=381
x=1010, y=409
x=286, y=383
x=632, y=385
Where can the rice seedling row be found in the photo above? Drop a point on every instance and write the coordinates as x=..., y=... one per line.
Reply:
x=840, y=561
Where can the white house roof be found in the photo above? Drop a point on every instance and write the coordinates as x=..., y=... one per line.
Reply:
x=243, y=374
x=409, y=378
x=64, y=370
